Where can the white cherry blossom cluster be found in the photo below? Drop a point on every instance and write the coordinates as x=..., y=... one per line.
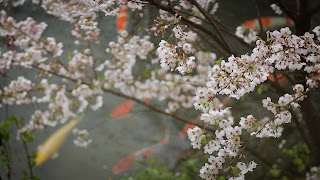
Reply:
x=240, y=75
x=61, y=106
x=247, y=34
x=244, y=168
x=196, y=135
x=82, y=139
x=111, y=7
x=17, y=92
x=178, y=90
x=84, y=93
x=117, y=72
x=23, y=31
x=168, y=55
x=41, y=119
x=108, y=7
x=276, y=9
x=271, y=128
x=313, y=174
x=26, y=35
x=210, y=6
x=226, y=143
x=80, y=14
x=47, y=89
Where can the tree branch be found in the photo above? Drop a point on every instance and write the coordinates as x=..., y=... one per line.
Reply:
x=213, y=23
x=285, y=9
x=188, y=22
x=259, y=18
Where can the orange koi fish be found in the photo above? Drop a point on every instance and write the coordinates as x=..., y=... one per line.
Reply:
x=122, y=109
x=280, y=78
x=147, y=100
x=122, y=19
x=183, y=132
x=268, y=23
x=140, y=155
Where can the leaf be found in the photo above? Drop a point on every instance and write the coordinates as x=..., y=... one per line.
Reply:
x=203, y=141
x=101, y=77
x=244, y=96
x=146, y=73
x=263, y=86
x=218, y=61
x=153, y=160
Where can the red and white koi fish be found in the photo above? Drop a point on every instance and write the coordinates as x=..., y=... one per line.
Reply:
x=140, y=155
x=268, y=23
x=122, y=109
x=122, y=19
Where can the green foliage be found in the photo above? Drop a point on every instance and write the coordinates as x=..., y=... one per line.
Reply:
x=27, y=136
x=4, y=125
x=300, y=156
x=146, y=73
x=189, y=171
x=26, y=176
x=235, y=171
x=101, y=77
x=221, y=178
x=262, y=87
x=274, y=171
x=244, y=96
x=218, y=61
x=4, y=137
x=4, y=158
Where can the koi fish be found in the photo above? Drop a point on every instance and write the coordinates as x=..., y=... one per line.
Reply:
x=122, y=109
x=280, y=78
x=54, y=142
x=183, y=132
x=140, y=155
x=147, y=100
x=185, y=129
x=122, y=19
x=268, y=23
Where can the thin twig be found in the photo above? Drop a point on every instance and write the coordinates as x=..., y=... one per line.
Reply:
x=267, y=162
x=132, y=98
x=188, y=22
x=258, y=17
x=226, y=30
x=284, y=8
x=203, y=36
x=300, y=129
x=25, y=146
x=213, y=23
x=259, y=131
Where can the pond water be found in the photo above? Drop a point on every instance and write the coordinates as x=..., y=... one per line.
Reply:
x=113, y=139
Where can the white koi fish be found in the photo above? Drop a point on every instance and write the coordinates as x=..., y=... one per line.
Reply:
x=54, y=142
